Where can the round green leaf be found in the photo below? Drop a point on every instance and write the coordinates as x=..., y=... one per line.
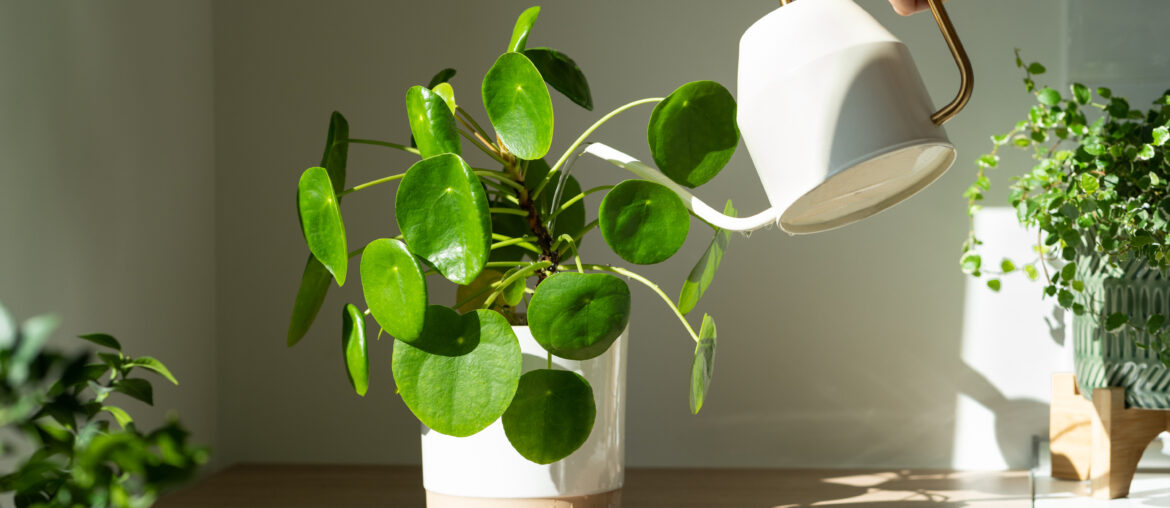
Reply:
x=643, y=222
x=310, y=295
x=431, y=122
x=353, y=346
x=518, y=105
x=692, y=133
x=321, y=221
x=703, y=364
x=442, y=211
x=395, y=288
x=443, y=76
x=562, y=73
x=572, y=220
x=551, y=416
x=579, y=315
x=462, y=372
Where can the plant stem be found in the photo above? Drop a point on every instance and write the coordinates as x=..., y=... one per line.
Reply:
x=388, y=144
x=520, y=274
x=646, y=282
x=578, y=197
x=508, y=211
x=482, y=148
x=577, y=239
x=550, y=361
x=371, y=183
x=585, y=135
x=499, y=177
x=524, y=242
x=475, y=125
x=576, y=255
x=512, y=241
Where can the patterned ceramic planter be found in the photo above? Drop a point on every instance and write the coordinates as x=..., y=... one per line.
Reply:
x=1112, y=359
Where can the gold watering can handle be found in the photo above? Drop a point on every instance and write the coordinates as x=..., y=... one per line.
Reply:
x=966, y=75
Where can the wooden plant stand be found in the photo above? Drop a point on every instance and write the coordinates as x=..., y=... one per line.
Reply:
x=1101, y=440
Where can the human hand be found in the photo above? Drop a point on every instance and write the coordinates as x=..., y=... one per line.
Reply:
x=908, y=7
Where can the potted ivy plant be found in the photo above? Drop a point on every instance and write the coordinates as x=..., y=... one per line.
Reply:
x=520, y=382
x=1099, y=196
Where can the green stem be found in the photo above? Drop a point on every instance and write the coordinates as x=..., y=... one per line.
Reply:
x=577, y=239
x=585, y=135
x=550, y=361
x=371, y=183
x=646, y=282
x=508, y=211
x=388, y=144
x=505, y=264
x=499, y=177
x=576, y=254
x=578, y=197
x=512, y=241
x=524, y=243
x=474, y=124
x=480, y=146
x=520, y=274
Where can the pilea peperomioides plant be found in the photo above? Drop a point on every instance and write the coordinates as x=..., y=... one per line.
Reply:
x=508, y=237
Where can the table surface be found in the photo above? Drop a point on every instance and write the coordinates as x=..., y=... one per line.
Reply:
x=311, y=486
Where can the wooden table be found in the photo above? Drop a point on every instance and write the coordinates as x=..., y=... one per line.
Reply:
x=293, y=486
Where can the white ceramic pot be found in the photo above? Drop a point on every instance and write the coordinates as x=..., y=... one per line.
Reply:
x=484, y=470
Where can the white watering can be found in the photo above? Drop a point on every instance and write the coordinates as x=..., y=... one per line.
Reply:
x=835, y=116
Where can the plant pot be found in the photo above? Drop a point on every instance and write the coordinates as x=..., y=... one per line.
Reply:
x=1104, y=359
x=484, y=471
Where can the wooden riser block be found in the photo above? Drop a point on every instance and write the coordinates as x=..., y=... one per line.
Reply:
x=1100, y=440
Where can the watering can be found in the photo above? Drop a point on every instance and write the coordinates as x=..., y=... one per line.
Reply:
x=835, y=116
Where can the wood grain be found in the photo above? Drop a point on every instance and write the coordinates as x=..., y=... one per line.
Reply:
x=1070, y=429
x=313, y=486
x=1120, y=436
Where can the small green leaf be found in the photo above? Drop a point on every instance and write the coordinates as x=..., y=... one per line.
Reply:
x=136, y=388
x=578, y=316
x=152, y=364
x=1080, y=93
x=692, y=133
x=643, y=222
x=1048, y=96
x=563, y=74
x=987, y=161
x=1031, y=271
x=445, y=91
x=103, y=340
x=703, y=364
x=1065, y=298
x=354, y=349
x=551, y=416
x=1146, y=153
x=1089, y=183
x=1105, y=93
x=1069, y=271
x=1115, y=321
x=321, y=222
x=519, y=106
x=523, y=28
x=394, y=287
x=1118, y=107
x=120, y=415
x=442, y=211
x=1155, y=322
x=1161, y=135
x=1036, y=68
x=336, y=150
x=1006, y=266
x=994, y=284
x=462, y=373
x=704, y=271
x=970, y=263
x=1078, y=285
x=310, y=295
x=514, y=293
x=431, y=122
